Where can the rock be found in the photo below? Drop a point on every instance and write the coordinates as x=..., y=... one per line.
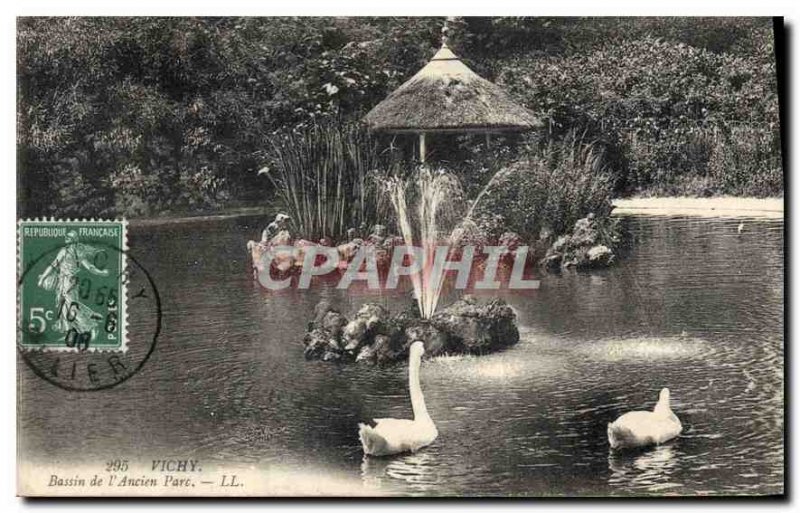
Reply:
x=389, y=349
x=331, y=356
x=322, y=308
x=552, y=262
x=282, y=238
x=598, y=257
x=393, y=240
x=366, y=322
x=584, y=233
x=303, y=243
x=354, y=334
x=283, y=259
x=572, y=260
x=379, y=230
x=301, y=247
x=582, y=248
x=325, y=333
x=373, y=314
x=478, y=328
x=367, y=353
x=333, y=322
x=256, y=252
x=373, y=336
x=383, y=258
x=317, y=342
x=347, y=251
x=395, y=327
x=561, y=244
x=436, y=341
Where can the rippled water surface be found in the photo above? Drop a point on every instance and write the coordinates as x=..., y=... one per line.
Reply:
x=693, y=306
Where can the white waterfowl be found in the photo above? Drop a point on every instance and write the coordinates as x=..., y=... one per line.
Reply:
x=394, y=436
x=644, y=428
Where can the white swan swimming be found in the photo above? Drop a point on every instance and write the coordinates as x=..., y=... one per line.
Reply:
x=394, y=436
x=643, y=428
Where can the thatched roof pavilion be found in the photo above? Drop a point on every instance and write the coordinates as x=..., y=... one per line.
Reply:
x=447, y=96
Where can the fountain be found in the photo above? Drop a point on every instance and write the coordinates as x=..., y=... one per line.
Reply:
x=429, y=218
x=445, y=96
x=436, y=196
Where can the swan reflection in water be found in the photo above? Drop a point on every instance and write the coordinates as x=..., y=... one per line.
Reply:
x=648, y=470
x=416, y=470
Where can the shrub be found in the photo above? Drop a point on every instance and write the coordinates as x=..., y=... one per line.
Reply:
x=548, y=189
x=136, y=192
x=73, y=195
x=662, y=100
x=202, y=188
x=747, y=162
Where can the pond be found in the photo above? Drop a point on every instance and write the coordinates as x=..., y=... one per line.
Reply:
x=693, y=305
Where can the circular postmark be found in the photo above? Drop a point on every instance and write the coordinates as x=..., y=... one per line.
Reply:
x=91, y=329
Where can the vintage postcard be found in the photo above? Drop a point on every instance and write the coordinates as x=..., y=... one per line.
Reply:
x=400, y=257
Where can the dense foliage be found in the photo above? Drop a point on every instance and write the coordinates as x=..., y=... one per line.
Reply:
x=141, y=116
x=672, y=109
x=545, y=191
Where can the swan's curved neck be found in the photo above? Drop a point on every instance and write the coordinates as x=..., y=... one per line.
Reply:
x=417, y=399
x=662, y=406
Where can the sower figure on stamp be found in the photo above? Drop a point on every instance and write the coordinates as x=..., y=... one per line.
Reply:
x=62, y=277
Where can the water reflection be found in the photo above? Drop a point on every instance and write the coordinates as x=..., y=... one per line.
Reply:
x=649, y=470
x=415, y=471
x=692, y=307
x=648, y=348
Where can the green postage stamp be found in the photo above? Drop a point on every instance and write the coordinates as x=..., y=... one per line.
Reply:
x=71, y=287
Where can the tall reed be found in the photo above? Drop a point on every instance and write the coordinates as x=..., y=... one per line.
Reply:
x=328, y=178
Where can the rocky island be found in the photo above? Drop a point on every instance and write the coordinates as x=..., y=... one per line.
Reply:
x=375, y=336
